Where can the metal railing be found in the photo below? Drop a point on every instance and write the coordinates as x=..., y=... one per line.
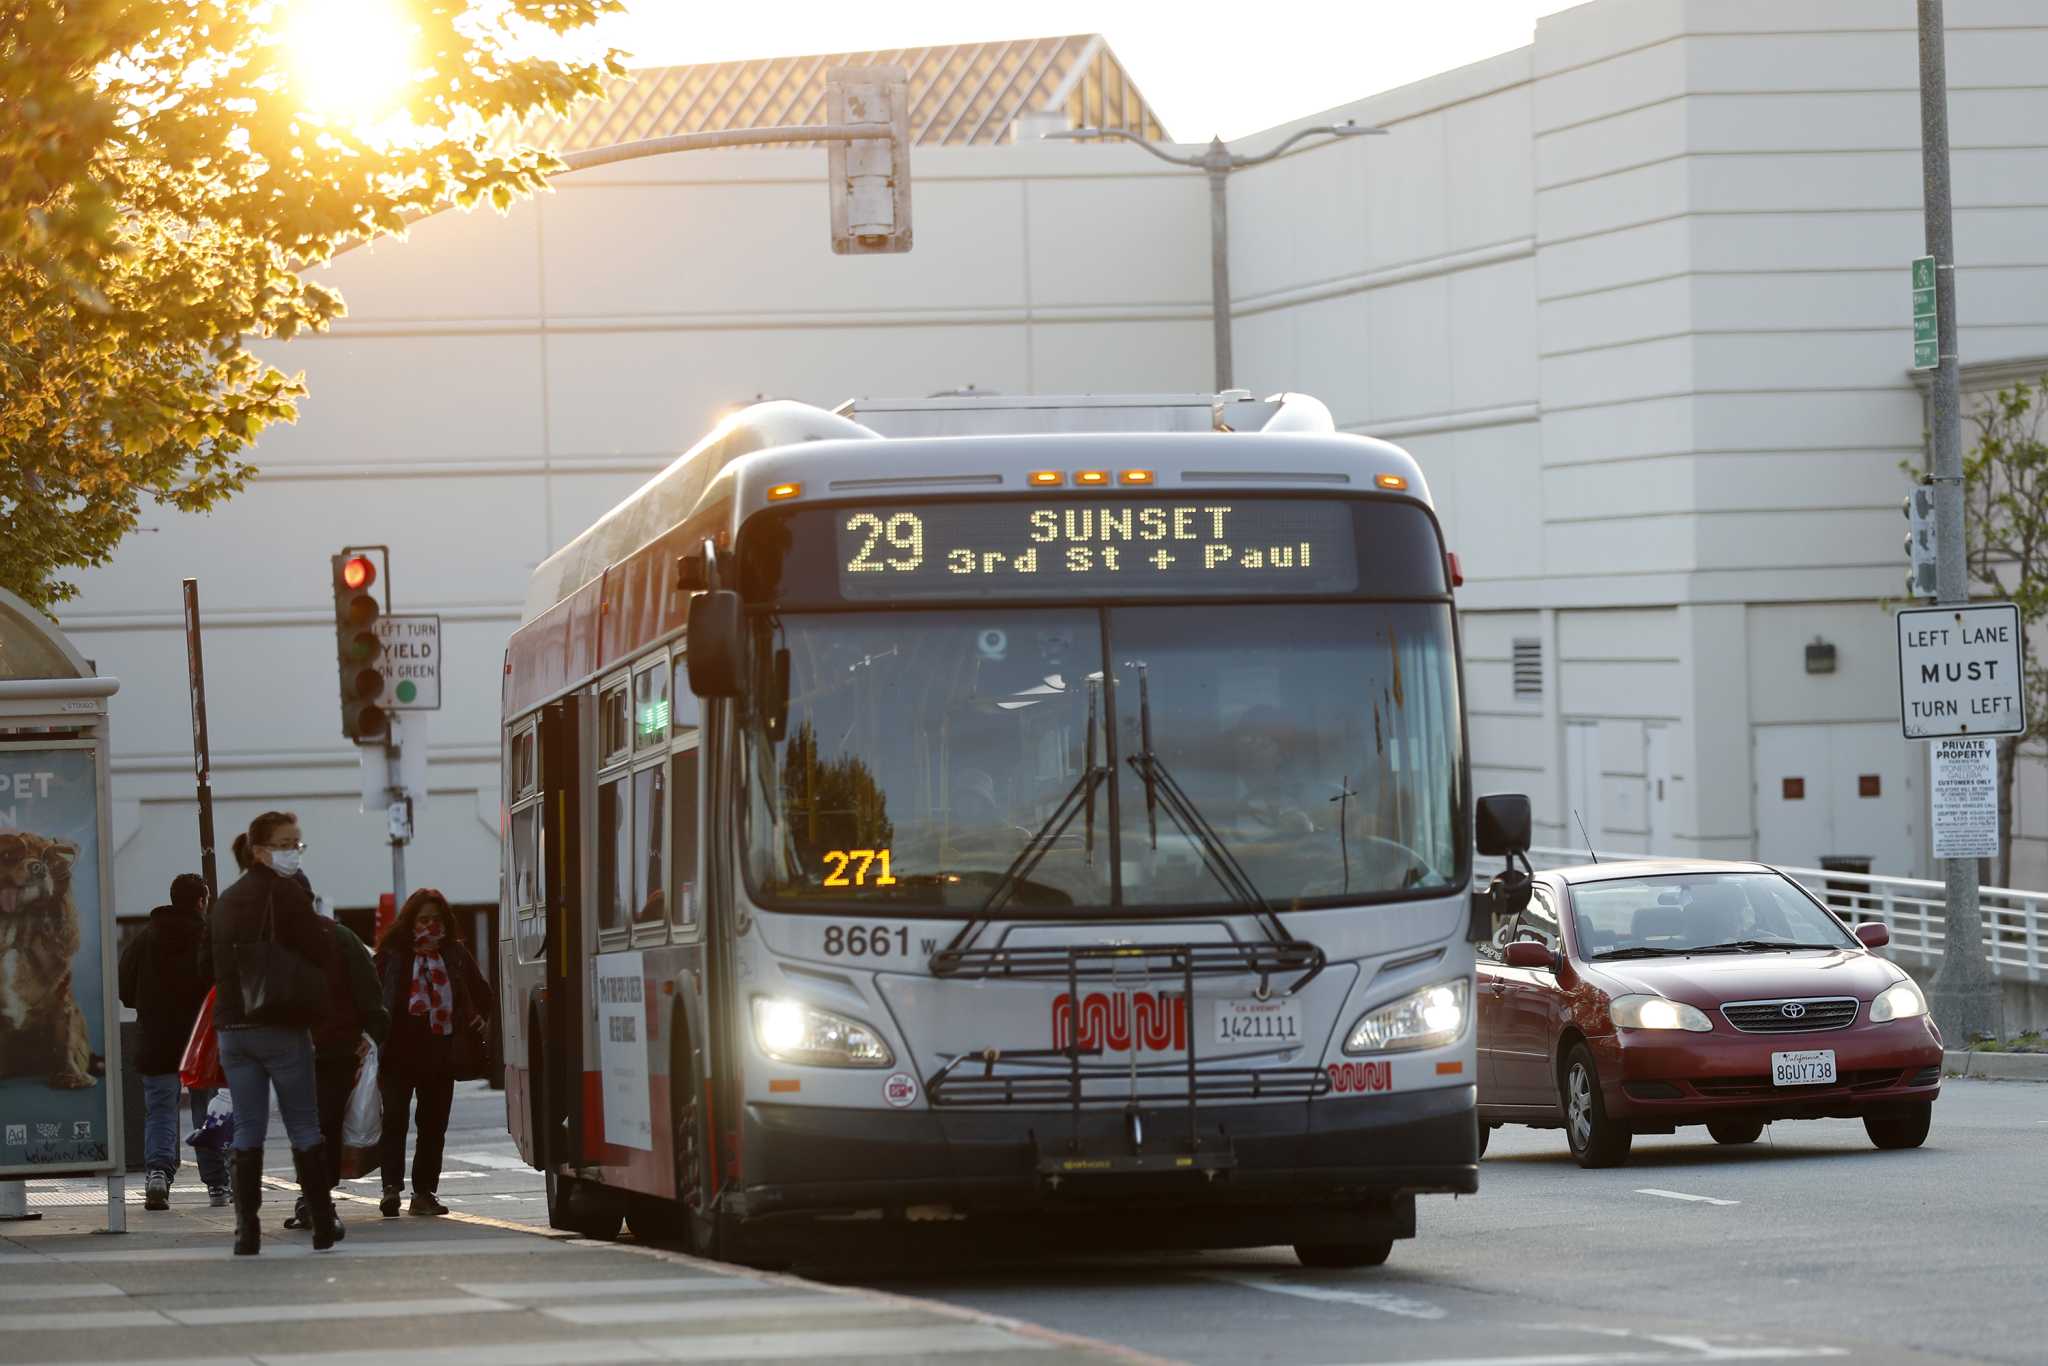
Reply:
x=1913, y=909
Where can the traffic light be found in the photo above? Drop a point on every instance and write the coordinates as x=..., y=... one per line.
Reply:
x=869, y=177
x=1922, y=576
x=358, y=651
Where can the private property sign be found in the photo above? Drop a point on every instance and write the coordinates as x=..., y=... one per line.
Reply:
x=1959, y=671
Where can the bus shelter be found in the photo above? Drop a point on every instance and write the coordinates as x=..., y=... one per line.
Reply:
x=60, y=1093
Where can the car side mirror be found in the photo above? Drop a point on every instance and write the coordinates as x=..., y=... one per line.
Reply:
x=1873, y=934
x=716, y=629
x=1527, y=953
x=1503, y=824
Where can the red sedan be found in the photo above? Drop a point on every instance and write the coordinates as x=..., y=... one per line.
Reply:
x=1631, y=998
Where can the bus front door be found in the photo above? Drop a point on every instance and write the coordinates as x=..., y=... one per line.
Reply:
x=562, y=1016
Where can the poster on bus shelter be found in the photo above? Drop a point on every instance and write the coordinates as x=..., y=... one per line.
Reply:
x=53, y=1098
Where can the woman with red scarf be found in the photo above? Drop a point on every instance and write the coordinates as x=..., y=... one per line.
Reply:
x=440, y=1034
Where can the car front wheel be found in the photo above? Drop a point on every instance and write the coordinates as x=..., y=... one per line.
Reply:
x=1736, y=1130
x=1596, y=1140
x=1905, y=1127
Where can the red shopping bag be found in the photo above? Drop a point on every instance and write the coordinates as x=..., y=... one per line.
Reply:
x=201, y=1064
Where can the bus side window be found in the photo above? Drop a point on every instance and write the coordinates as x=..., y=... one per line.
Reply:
x=683, y=845
x=614, y=853
x=686, y=707
x=649, y=823
x=615, y=736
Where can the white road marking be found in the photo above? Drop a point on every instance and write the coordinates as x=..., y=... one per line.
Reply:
x=346, y=1309
x=1681, y=1195
x=457, y=1247
x=704, y=1307
x=495, y=1161
x=836, y=1344
x=624, y=1351
x=90, y=1318
x=573, y=1290
x=12, y=1294
x=1386, y=1301
x=1645, y=1357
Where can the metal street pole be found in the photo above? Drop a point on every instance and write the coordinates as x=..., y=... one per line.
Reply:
x=1965, y=998
x=1218, y=161
x=202, y=750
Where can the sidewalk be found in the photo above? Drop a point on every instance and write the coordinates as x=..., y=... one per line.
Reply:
x=461, y=1290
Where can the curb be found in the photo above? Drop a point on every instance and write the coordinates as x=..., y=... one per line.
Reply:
x=1995, y=1066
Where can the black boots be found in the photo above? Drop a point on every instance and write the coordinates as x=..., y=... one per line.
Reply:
x=310, y=1166
x=247, y=1178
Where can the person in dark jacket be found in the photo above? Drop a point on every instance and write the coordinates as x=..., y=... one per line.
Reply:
x=162, y=983
x=273, y=1046
x=356, y=1009
x=441, y=1010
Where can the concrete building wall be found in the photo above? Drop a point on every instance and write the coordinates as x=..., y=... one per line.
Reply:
x=1635, y=296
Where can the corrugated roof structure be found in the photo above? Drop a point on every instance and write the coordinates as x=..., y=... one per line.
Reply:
x=962, y=94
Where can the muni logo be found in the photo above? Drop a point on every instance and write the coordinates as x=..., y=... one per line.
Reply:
x=1118, y=1022
x=1361, y=1076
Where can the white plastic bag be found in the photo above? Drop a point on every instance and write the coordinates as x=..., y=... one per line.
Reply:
x=362, y=1124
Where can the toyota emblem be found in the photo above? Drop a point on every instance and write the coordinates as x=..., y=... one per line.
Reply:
x=1792, y=1010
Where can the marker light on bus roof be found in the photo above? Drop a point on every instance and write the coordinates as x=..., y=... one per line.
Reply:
x=1136, y=476
x=1045, y=478
x=1385, y=481
x=1091, y=476
x=782, y=491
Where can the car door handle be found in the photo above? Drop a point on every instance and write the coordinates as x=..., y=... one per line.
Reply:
x=1497, y=988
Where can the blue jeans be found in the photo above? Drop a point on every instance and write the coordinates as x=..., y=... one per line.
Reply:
x=258, y=1058
x=161, y=1141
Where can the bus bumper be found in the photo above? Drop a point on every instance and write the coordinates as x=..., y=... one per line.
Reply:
x=1377, y=1151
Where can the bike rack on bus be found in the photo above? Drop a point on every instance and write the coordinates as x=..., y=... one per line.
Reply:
x=1067, y=1081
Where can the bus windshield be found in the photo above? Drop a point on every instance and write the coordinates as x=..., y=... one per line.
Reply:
x=920, y=751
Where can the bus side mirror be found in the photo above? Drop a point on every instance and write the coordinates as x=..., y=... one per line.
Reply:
x=1503, y=832
x=1503, y=824
x=716, y=629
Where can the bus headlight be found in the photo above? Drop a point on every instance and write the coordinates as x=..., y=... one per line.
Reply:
x=1429, y=1018
x=1899, y=1001
x=790, y=1031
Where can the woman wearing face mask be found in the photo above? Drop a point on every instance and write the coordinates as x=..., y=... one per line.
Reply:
x=440, y=1034
x=273, y=1047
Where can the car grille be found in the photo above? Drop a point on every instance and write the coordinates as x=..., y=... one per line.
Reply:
x=1809, y=1016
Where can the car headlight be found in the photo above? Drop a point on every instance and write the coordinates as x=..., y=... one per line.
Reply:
x=1429, y=1018
x=790, y=1031
x=1899, y=1001
x=1658, y=1012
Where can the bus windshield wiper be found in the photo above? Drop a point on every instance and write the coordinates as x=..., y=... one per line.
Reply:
x=1761, y=946
x=1080, y=799
x=1162, y=791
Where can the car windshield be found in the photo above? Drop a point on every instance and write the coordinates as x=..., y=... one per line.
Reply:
x=1699, y=912
x=1315, y=745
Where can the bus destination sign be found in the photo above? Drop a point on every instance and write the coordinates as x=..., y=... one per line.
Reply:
x=1100, y=548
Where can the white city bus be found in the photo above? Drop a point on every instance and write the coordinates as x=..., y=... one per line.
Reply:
x=1048, y=818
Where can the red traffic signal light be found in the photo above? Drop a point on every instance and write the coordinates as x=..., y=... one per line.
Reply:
x=358, y=651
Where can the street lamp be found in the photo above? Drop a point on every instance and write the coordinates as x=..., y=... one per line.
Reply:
x=1219, y=161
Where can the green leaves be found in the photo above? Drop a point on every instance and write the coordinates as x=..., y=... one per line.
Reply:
x=161, y=188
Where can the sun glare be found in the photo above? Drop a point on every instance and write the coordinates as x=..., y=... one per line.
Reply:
x=353, y=59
